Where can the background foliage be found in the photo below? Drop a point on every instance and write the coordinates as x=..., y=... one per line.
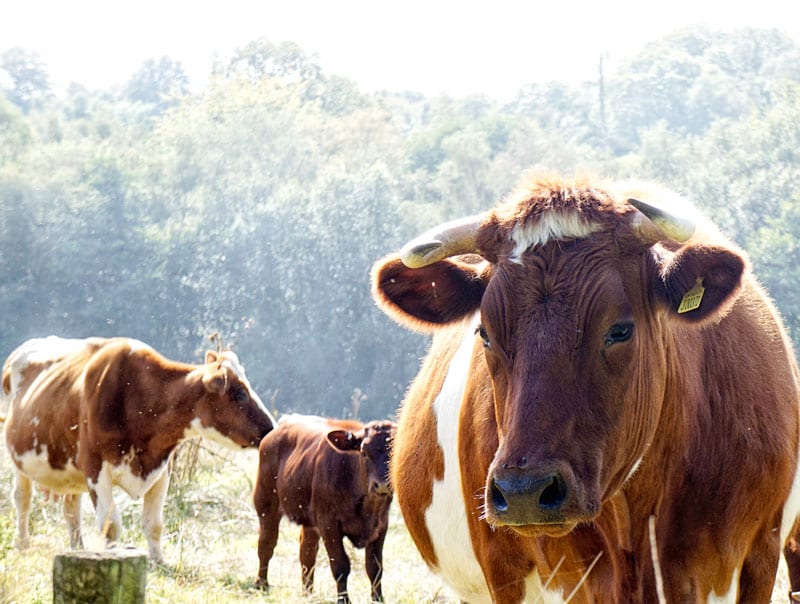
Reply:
x=256, y=206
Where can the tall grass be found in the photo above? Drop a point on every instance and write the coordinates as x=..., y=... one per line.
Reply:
x=210, y=537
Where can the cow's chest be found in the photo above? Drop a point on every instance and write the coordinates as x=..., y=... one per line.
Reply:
x=133, y=483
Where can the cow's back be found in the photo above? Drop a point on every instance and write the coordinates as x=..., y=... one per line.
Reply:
x=45, y=387
x=304, y=470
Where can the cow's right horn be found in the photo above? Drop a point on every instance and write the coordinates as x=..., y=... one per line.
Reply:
x=675, y=228
x=448, y=239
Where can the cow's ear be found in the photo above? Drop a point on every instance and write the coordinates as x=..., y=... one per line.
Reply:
x=216, y=381
x=701, y=282
x=423, y=298
x=344, y=440
x=211, y=357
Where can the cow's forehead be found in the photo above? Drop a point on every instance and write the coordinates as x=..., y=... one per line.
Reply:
x=544, y=210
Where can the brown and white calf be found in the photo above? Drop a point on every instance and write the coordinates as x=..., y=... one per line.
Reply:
x=332, y=478
x=97, y=413
x=609, y=393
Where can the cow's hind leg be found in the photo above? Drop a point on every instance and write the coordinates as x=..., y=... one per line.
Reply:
x=340, y=563
x=72, y=514
x=153, y=515
x=309, y=546
x=23, y=491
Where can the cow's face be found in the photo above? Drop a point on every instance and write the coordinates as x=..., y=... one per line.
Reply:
x=230, y=411
x=373, y=444
x=577, y=370
x=577, y=317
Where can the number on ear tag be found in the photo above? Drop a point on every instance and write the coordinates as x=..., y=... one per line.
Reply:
x=693, y=297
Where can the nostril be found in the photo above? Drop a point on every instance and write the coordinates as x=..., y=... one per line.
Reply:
x=499, y=503
x=554, y=494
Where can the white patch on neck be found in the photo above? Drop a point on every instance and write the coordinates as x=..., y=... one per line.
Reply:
x=196, y=428
x=550, y=225
x=446, y=518
x=791, y=507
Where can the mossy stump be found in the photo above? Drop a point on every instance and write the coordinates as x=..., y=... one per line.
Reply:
x=114, y=576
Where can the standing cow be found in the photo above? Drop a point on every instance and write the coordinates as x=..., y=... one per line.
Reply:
x=91, y=414
x=332, y=478
x=609, y=408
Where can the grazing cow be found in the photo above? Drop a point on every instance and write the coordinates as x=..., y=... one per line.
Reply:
x=609, y=408
x=94, y=413
x=332, y=478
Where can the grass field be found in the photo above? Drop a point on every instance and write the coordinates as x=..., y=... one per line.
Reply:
x=210, y=544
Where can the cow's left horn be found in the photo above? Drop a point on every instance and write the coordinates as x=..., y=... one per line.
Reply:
x=675, y=228
x=448, y=239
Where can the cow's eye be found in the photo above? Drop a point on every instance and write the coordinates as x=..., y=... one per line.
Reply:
x=240, y=396
x=620, y=332
x=481, y=331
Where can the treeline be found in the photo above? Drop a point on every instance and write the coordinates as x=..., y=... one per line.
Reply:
x=256, y=207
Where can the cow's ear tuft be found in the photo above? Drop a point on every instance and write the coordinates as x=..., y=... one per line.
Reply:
x=215, y=382
x=702, y=282
x=344, y=440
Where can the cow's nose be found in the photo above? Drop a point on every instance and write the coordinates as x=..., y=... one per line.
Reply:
x=381, y=488
x=522, y=498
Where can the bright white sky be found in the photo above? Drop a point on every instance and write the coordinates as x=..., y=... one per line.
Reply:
x=454, y=46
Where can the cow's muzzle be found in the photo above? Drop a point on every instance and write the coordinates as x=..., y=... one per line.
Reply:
x=534, y=501
x=380, y=488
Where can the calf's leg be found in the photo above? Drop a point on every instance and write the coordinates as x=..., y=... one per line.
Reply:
x=23, y=490
x=153, y=515
x=373, y=561
x=265, y=500
x=309, y=546
x=340, y=563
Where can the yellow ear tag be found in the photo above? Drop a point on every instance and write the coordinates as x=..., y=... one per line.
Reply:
x=693, y=297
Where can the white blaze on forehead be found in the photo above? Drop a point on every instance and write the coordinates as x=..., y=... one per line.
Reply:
x=549, y=226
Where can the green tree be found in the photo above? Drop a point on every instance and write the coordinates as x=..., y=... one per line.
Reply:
x=158, y=82
x=28, y=83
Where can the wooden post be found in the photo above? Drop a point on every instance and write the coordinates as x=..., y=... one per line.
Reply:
x=114, y=576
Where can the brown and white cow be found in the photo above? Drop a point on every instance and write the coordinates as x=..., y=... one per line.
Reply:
x=332, y=478
x=609, y=393
x=96, y=413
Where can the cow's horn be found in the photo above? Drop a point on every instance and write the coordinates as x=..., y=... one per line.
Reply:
x=675, y=228
x=448, y=239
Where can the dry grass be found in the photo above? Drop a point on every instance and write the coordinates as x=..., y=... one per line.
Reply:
x=210, y=544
